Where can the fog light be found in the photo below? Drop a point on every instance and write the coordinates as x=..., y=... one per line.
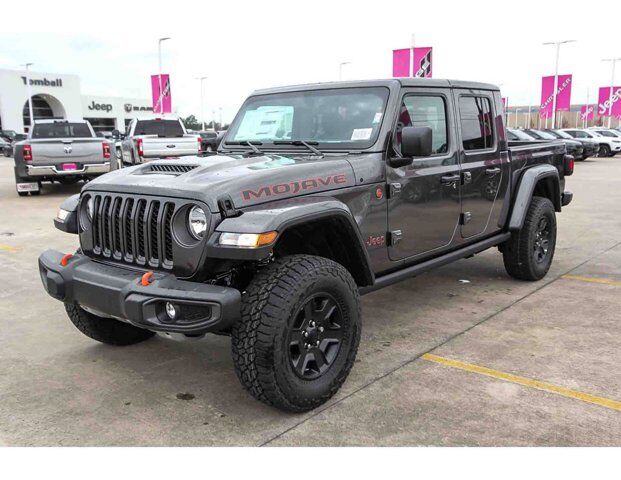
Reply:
x=171, y=310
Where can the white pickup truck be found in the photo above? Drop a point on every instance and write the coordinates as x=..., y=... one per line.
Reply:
x=153, y=138
x=63, y=151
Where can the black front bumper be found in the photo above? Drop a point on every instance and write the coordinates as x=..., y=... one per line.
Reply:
x=117, y=292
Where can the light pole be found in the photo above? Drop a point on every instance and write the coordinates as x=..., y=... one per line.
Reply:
x=159, y=63
x=220, y=109
x=341, y=69
x=27, y=66
x=529, y=109
x=200, y=79
x=517, y=110
x=558, y=51
x=612, y=86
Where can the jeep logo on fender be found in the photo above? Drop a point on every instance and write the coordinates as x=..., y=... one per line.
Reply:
x=294, y=187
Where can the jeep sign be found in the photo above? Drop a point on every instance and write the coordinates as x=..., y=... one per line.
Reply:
x=106, y=107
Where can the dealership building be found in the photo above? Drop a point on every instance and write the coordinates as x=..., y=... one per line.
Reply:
x=60, y=96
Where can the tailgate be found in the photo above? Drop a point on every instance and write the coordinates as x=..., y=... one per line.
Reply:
x=70, y=150
x=158, y=147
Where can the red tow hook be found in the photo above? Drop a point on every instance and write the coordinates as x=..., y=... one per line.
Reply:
x=146, y=279
x=65, y=259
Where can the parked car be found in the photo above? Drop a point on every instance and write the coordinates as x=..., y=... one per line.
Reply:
x=5, y=147
x=209, y=140
x=574, y=147
x=606, y=132
x=158, y=137
x=517, y=135
x=59, y=151
x=304, y=209
x=589, y=147
x=607, y=146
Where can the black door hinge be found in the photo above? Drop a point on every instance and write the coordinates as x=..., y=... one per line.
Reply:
x=227, y=207
x=394, y=189
x=465, y=217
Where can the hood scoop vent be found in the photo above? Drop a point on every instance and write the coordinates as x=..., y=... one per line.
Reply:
x=168, y=168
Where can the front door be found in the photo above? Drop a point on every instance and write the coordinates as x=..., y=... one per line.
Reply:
x=484, y=169
x=424, y=207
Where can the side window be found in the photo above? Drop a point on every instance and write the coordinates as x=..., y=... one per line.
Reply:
x=475, y=114
x=423, y=111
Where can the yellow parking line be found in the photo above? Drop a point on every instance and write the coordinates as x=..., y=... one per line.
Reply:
x=8, y=248
x=527, y=382
x=603, y=281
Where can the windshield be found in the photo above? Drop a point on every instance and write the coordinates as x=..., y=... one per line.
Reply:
x=521, y=135
x=61, y=130
x=544, y=135
x=161, y=128
x=334, y=118
x=561, y=134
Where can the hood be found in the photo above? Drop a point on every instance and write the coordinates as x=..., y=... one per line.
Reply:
x=247, y=180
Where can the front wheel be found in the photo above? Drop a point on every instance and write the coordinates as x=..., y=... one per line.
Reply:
x=528, y=253
x=106, y=330
x=299, y=333
x=605, y=151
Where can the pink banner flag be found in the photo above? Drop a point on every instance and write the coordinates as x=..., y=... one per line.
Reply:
x=161, y=98
x=563, y=93
x=422, y=62
x=609, y=104
x=547, y=95
x=401, y=62
x=587, y=112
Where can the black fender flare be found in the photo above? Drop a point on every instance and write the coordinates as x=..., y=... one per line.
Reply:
x=526, y=187
x=282, y=215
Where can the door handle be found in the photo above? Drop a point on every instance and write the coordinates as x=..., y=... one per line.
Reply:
x=448, y=179
x=492, y=171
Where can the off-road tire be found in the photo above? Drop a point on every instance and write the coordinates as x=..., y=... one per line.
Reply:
x=106, y=330
x=519, y=251
x=270, y=305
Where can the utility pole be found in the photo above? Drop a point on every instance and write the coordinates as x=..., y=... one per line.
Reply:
x=160, y=100
x=612, y=86
x=200, y=79
x=220, y=109
x=558, y=51
x=529, y=109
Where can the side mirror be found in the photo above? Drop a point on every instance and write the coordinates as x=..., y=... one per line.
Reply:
x=116, y=134
x=416, y=141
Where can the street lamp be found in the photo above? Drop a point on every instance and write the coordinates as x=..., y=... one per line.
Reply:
x=612, y=86
x=159, y=62
x=341, y=69
x=202, y=104
x=27, y=66
x=558, y=50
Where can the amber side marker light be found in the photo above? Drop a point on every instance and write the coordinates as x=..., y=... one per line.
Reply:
x=247, y=240
x=65, y=259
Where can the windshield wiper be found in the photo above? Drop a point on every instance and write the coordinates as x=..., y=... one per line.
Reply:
x=308, y=145
x=252, y=145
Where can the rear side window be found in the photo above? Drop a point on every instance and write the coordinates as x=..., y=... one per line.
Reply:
x=61, y=130
x=424, y=111
x=475, y=114
x=161, y=128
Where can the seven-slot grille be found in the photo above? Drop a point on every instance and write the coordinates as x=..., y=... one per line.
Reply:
x=133, y=230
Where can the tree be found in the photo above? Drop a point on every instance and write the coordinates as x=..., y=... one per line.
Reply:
x=191, y=123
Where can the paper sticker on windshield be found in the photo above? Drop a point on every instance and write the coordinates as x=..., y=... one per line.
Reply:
x=361, y=133
x=377, y=118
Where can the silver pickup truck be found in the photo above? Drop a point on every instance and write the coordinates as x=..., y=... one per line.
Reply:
x=153, y=138
x=59, y=151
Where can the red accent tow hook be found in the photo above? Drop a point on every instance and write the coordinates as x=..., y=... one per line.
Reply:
x=146, y=279
x=65, y=259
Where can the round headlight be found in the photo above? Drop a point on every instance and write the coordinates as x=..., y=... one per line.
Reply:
x=197, y=222
x=90, y=208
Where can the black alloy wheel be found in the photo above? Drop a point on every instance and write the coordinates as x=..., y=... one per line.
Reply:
x=315, y=339
x=541, y=245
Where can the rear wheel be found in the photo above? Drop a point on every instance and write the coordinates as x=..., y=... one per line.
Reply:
x=528, y=253
x=105, y=330
x=299, y=333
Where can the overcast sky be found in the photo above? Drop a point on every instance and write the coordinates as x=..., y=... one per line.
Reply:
x=241, y=46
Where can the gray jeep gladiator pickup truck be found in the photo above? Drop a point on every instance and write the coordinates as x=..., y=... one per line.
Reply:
x=318, y=194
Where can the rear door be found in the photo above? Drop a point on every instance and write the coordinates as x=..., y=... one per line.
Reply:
x=424, y=208
x=484, y=168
